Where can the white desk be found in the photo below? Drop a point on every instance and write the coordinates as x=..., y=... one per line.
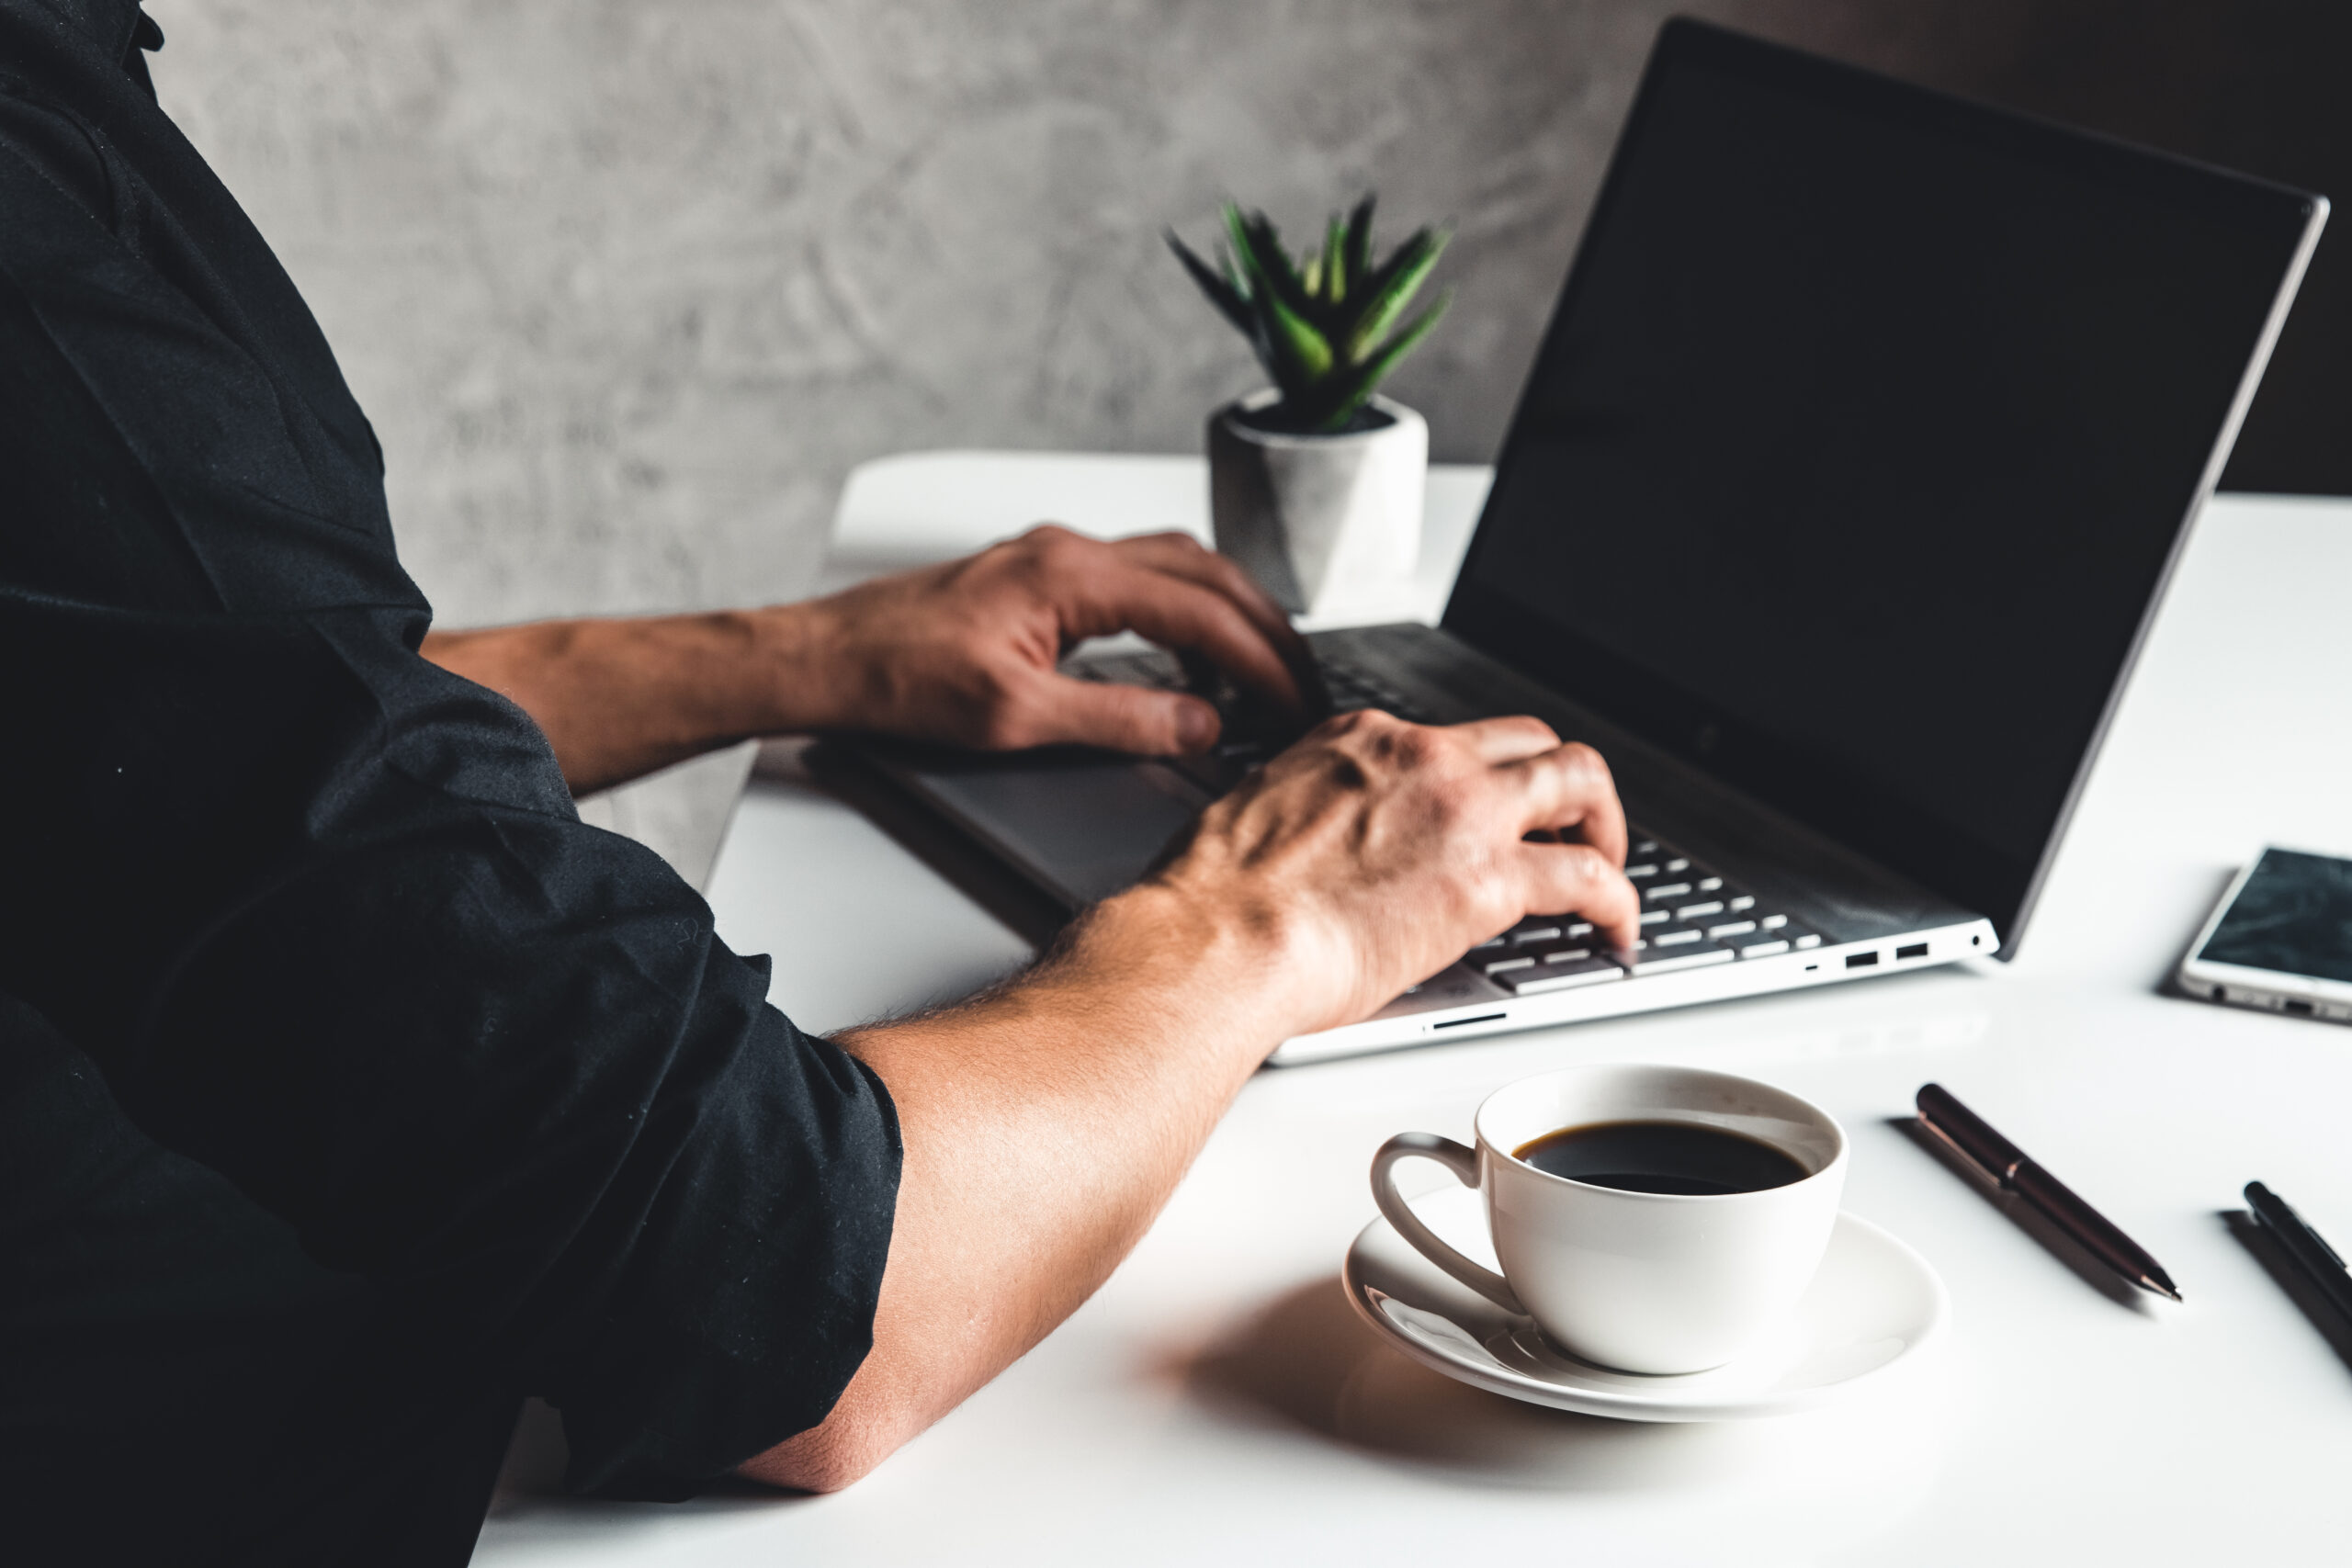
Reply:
x=1217, y=1401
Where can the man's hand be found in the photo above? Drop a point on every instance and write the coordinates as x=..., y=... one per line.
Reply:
x=966, y=652
x=1380, y=850
x=962, y=653
x=1364, y=859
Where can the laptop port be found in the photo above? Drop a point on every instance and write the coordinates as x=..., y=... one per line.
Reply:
x=1860, y=960
x=1915, y=950
x=2301, y=1008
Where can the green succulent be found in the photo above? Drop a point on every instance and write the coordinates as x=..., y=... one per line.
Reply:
x=1325, y=326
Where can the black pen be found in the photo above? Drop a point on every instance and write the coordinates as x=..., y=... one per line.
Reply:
x=2305, y=1245
x=1969, y=1135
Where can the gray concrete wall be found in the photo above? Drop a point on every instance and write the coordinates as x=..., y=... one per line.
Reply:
x=629, y=285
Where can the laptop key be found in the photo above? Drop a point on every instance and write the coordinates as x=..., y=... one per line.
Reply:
x=1667, y=890
x=1678, y=938
x=1561, y=976
x=1526, y=934
x=1730, y=928
x=1656, y=917
x=1505, y=965
x=1681, y=958
x=1565, y=954
x=1763, y=948
x=1745, y=901
x=1636, y=873
x=1699, y=911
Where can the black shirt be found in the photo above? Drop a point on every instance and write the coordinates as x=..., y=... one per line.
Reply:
x=350, y=1089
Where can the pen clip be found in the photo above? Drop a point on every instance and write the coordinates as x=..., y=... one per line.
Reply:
x=1942, y=1114
x=2001, y=1178
x=2309, y=1234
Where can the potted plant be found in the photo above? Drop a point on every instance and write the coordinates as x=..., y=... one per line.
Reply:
x=1315, y=483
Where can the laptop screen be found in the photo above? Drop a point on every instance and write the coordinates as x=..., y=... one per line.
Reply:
x=1862, y=441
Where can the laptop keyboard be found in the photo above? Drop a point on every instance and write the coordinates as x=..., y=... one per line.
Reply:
x=1691, y=915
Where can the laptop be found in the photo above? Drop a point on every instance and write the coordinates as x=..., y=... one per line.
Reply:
x=1865, y=433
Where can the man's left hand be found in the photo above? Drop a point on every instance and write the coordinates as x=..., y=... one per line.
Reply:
x=968, y=653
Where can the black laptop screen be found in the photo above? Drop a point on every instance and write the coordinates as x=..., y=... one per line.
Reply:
x=1861, y=440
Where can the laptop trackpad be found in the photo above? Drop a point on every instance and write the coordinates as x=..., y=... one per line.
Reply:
x=1087, y=829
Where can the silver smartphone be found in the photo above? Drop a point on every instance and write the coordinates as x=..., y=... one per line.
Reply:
x=2281, y=941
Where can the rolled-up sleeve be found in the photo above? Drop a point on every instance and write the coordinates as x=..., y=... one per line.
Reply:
x=499, y=1064
x=502, y=1068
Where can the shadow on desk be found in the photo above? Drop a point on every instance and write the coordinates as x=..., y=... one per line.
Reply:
x=530, y=1486
x=1308, y=1361
x=2167, y=985
x=2027, y=1218
x=2292, y=1280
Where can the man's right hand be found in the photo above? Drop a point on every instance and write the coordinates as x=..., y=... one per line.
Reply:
x=1374, y=853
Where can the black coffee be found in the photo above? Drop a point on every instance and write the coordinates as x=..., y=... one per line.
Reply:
x=1662, y=1157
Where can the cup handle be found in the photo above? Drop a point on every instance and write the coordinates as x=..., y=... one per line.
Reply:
x=1463, y=1163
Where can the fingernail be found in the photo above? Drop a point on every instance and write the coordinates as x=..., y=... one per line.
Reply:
x=1196, y=725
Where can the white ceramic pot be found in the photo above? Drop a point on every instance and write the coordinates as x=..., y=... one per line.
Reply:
x=1322, y=521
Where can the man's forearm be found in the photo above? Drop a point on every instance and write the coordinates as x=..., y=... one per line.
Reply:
x=1044, y=1126
x=619, y=698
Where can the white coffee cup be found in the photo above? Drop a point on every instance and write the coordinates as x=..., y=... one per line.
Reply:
x=1641, y=1281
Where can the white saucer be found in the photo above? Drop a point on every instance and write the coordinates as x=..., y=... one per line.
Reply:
x=1875, y=1305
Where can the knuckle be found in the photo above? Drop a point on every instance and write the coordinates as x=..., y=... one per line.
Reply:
x=1536, y=729
x=1050, y=549
x=1407, y=743
x=1345, y=724
x=1417, y=747
x=1588, y=866
x=1228, y=572
x=1585, y=762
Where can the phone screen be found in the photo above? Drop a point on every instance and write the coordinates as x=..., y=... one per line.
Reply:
x=2293, y=916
